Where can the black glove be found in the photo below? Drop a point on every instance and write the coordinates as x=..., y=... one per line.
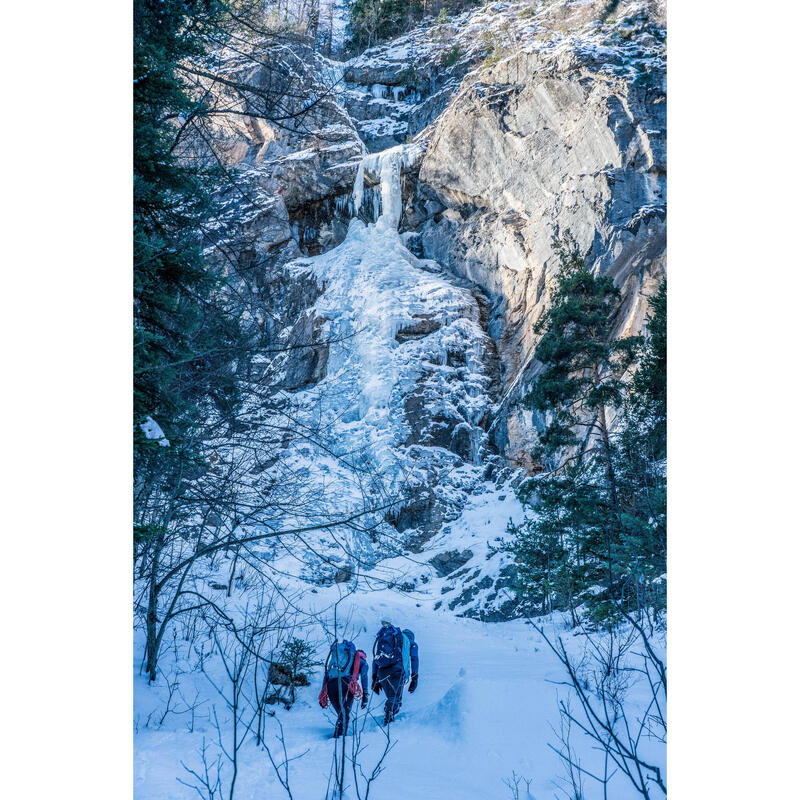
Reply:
x=376, y=684
x=413, y=685
x=364, y=700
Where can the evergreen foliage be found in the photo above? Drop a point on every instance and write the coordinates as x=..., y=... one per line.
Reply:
x=184, y=342
x=373, y=21
x=297, y=657
x=189, y=346
x=294, y=663
x=451, y=56
x=648, y=399
x=583, y=364
x=641, y=454
x=599, y=533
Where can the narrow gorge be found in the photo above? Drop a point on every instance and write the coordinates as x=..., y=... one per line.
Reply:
x=390, y=230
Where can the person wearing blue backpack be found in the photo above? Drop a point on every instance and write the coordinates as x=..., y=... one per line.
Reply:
x=344, y=667
x=395, y=660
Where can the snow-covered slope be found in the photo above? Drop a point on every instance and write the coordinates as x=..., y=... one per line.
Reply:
x=486, y=706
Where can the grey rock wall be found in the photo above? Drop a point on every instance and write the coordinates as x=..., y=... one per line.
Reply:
x=530, y=149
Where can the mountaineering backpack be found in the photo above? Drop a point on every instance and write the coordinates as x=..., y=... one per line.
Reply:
x=340, y=659
x=392, y=647
x=353, y=686
x=407, y=654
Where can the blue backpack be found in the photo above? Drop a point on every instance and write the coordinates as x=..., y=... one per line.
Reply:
x=407, y=639
x=340, y=659
x=389, y=647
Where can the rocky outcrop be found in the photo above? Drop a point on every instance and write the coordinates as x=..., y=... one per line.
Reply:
x=283, y=134
x=449, y=561
x=551, y=143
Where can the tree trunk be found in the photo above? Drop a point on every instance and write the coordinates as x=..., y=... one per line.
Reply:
x=611, y=486
x=235, y=759
x=233, y=572
x=152, y=612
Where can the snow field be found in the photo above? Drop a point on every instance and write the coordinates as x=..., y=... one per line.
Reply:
x=486, y=705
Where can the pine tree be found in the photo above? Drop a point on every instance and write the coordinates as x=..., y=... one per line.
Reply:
x=648, y=399
x=641, y=455
x=184, y=342
x=549, y=571
x=579, y=389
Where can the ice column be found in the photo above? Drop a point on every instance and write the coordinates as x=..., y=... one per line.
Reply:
x=358, y=189
x=391, y=195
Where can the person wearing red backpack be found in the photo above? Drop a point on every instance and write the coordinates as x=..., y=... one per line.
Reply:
x=344, y=668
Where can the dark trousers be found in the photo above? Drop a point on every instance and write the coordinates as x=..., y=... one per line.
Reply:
x=391, y=680
x=341, y=700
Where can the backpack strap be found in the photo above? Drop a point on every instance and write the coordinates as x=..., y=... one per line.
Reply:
x=330, y=653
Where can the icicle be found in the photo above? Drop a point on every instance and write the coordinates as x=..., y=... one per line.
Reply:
x=387, y=166
x=343, y=203
x=371, y=206
x=475, y=442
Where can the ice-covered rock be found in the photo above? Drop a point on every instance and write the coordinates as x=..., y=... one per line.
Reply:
x=406, y=366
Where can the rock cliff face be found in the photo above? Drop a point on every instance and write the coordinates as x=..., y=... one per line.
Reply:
x=542, y=146
x=523, y=158
x=529, y=122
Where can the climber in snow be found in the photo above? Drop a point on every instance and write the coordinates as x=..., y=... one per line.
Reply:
x=344, y=667
x=395, y=661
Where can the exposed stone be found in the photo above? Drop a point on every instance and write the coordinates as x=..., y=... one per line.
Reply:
x=423, y=515
x=450, y=561
x=423, y=325
x=343, y=574
x=470, y=592
x=533, y=147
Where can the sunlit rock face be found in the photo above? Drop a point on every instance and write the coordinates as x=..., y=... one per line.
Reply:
x=550, y=143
